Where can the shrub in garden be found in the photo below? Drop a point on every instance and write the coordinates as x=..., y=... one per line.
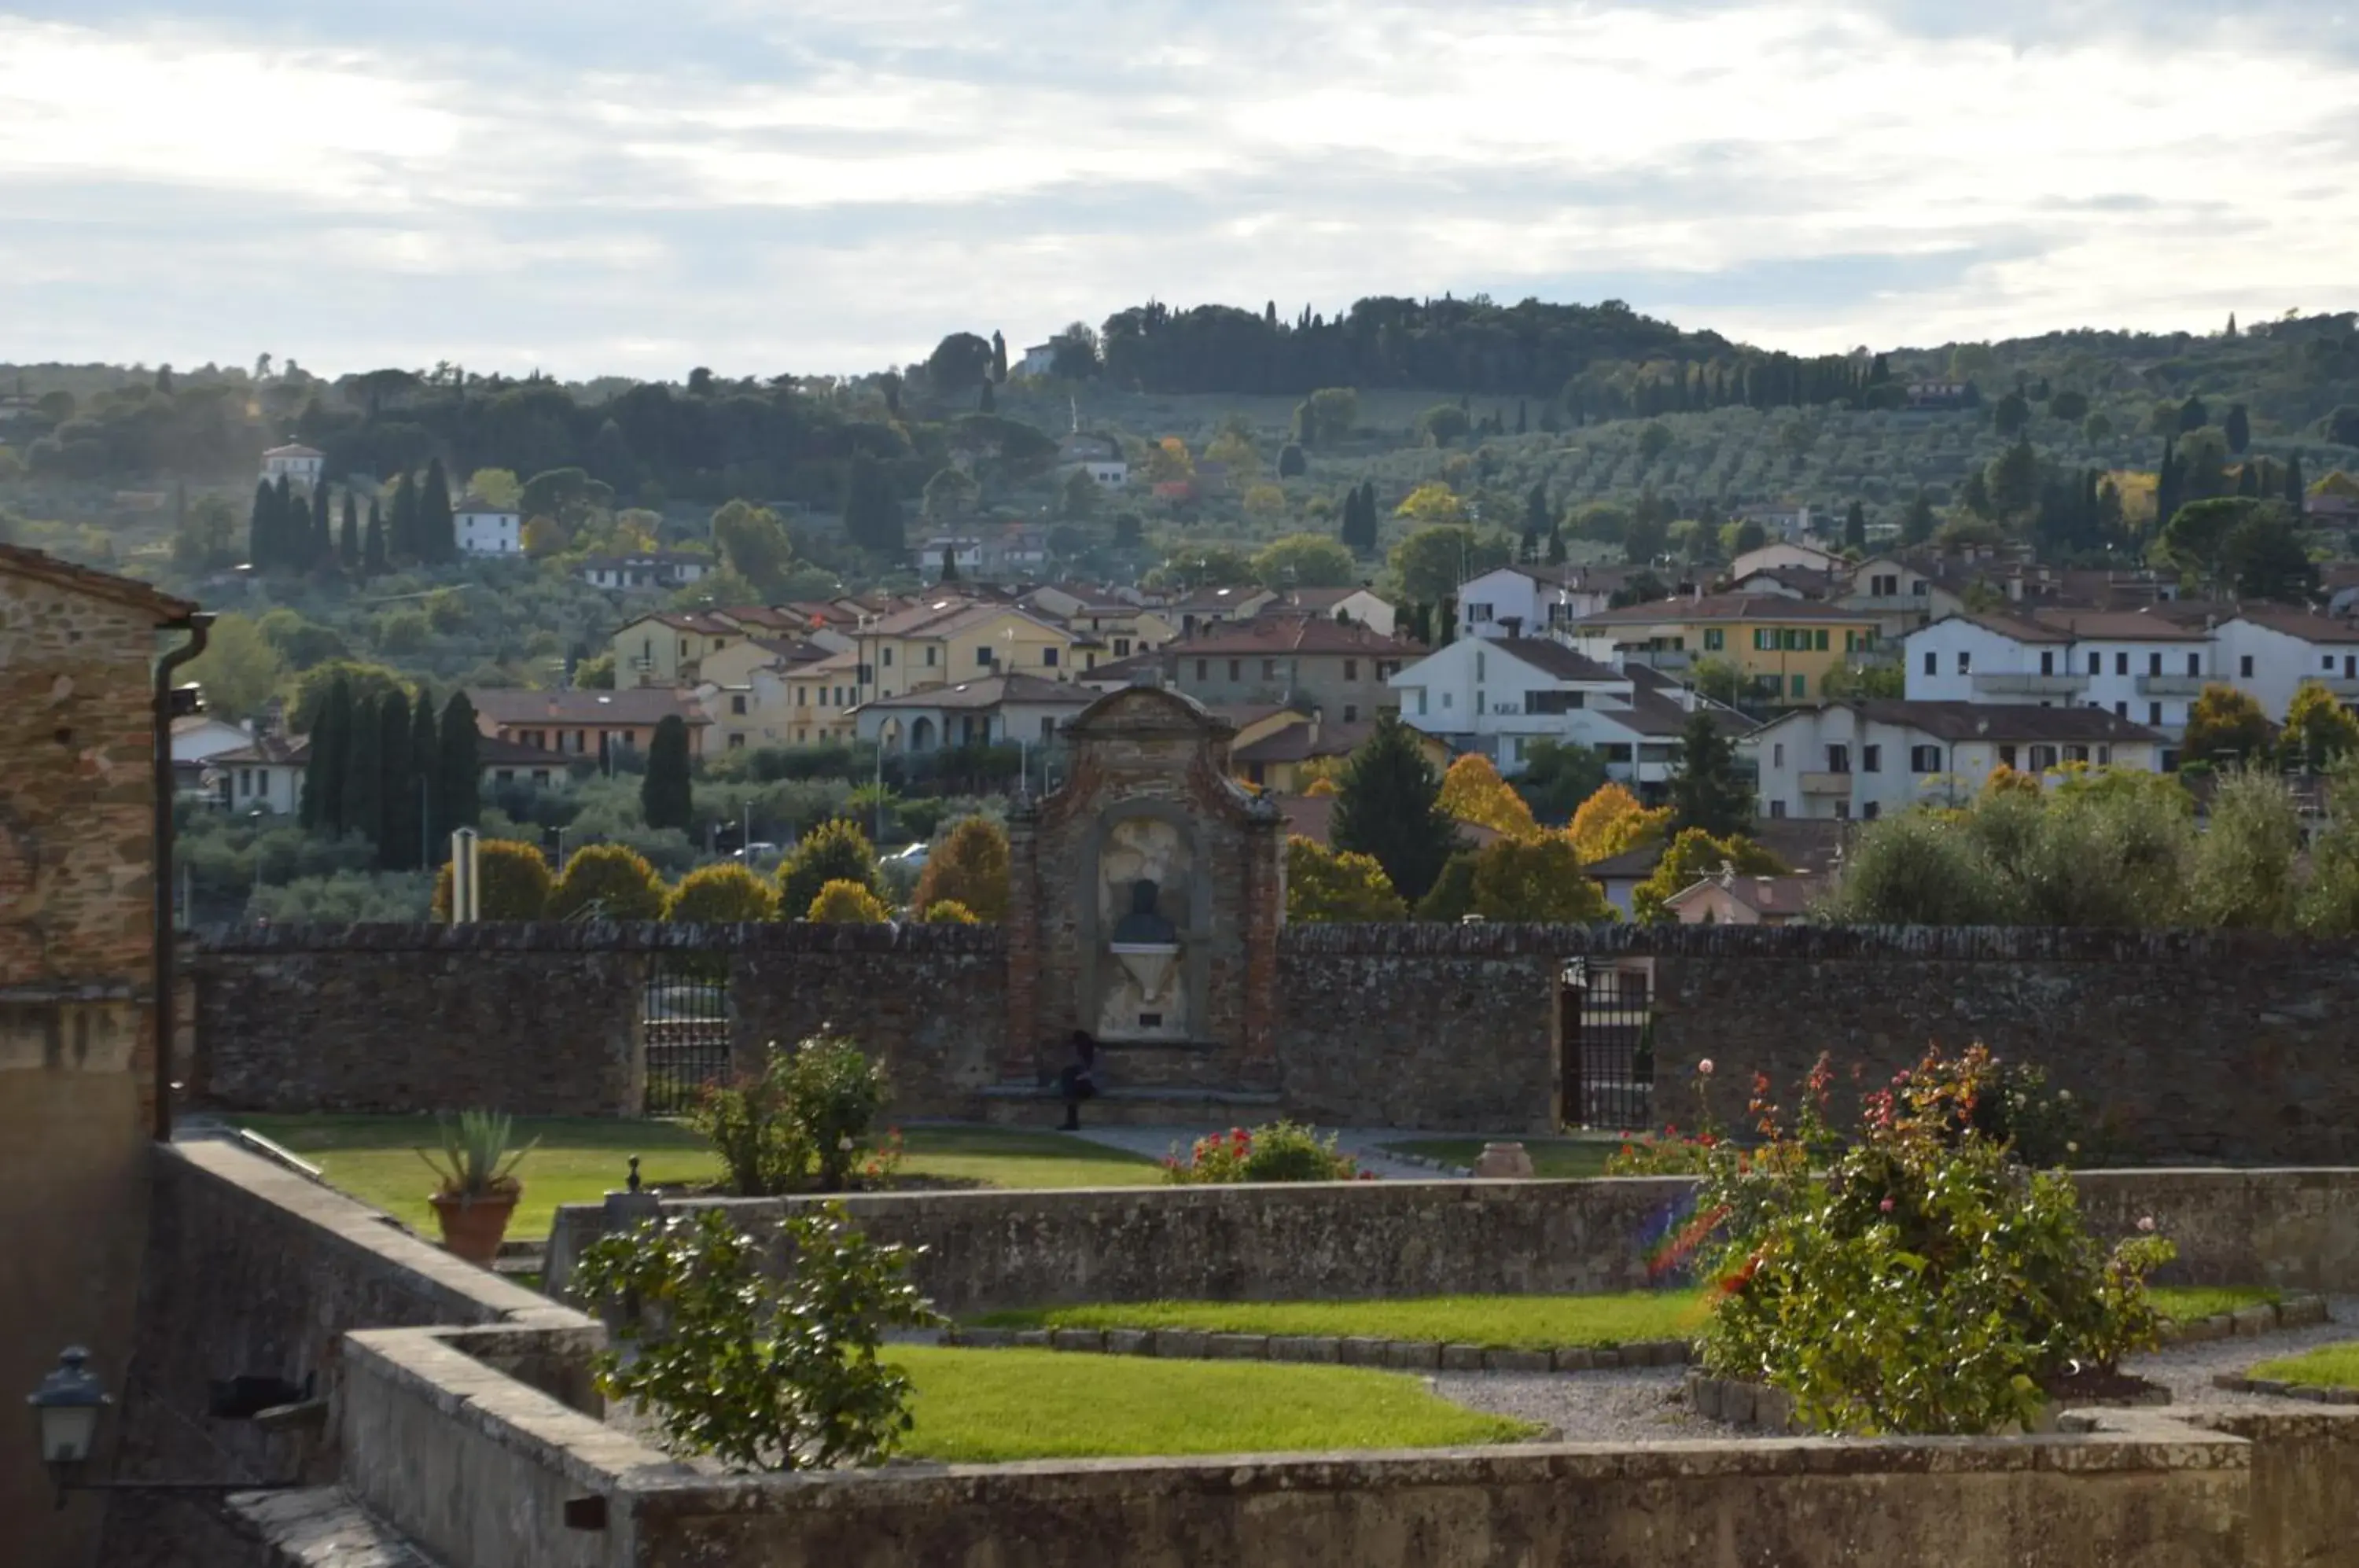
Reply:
x=969, y=867
x=763, y=1369
x=836, y=850
x=848, y=904
x=513, y=877
x=726, y=894
x=1916, y=1276
x=1281, y=1151
x=949, y=913
x=607, y=882
x=802, y=1121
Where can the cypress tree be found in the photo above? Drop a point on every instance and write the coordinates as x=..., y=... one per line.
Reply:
x=397, y=800
x=287, y=525
x=426, y=781
x=1707, y=792
x=260, y=533
x=348, y=538
x=1388, y=805
x=872, y=513
x=437, y=529
x=1555, y=545
x=1536, y=510
x=664, y=797
x=461, y=793
x=319, y=543
x=401, y=522
x=323, y=767
x=998, y=357
x=2296, y=492
x=1856, y=527
x=363, y=792
x=373, y=544
x=2168, y=485
x=2239, y=428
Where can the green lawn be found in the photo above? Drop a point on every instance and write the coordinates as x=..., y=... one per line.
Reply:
x=989, y=1405
x=2188, y=1303
x=1504, y=1322
x=2328, y=1367
x=579, y=1159
x=1552, y=1157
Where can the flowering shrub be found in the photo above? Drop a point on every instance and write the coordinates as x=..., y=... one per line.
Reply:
x=802, y=1122
x=1282, y=1152
x=1915, y=1277
x=1674, y=1153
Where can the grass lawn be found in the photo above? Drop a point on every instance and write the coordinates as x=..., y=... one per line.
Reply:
x=2328, y=1367
x=988, y=1406
x=2188, y=1303
x=1555, y=1157
x=1504, y=1322
x=579, y=1159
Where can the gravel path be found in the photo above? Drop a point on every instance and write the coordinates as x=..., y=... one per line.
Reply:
x=1646, y=1404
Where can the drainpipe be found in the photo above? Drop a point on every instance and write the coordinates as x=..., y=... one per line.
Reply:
x=199, y=626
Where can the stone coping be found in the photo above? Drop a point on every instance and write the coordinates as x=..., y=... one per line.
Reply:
x=1344, y=1350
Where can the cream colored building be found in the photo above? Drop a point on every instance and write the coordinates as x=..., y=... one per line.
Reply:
x=953, y=640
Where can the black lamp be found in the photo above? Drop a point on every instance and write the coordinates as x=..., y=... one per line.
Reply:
x=66, y=1408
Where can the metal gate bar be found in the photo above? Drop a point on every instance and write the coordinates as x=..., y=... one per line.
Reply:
x=684, y=1012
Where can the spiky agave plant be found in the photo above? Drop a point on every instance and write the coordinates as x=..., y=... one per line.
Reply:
x=475, y=1161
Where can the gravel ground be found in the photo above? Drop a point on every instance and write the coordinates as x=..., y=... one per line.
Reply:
x=1645, y=1404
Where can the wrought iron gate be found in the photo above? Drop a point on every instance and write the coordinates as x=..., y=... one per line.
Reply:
x=1607, y=1043
x=684, y=1012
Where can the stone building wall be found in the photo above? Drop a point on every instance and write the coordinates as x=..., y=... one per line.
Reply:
x=77, y=984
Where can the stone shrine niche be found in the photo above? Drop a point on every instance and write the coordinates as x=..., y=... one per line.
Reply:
x=1145, y=898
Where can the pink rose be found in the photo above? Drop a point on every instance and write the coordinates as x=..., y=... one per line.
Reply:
x=1703, y=1068
x=1885, y=1205
x=2147, y=1223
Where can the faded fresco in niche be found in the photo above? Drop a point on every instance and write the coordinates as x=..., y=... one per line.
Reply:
x=1143, y=875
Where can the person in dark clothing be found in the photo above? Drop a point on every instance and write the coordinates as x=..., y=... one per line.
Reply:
x=1079, y=1081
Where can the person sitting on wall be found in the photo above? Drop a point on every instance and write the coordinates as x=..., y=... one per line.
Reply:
x=1079, y=1081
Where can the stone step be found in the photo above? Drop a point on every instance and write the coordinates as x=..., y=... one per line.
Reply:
x=1026, y=1105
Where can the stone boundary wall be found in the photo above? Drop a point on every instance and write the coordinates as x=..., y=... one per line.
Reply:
x=990, y=1251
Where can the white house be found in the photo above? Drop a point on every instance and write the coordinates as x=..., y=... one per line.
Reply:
x=485, y=530
x=998, y=710
x=264, y=775
x=1364, y=605
x=2134, y=664
x=2266, y=651
x=1040, y=359
x=648, y=569
x=1498, y=696
x=1900, y=596
x=1513, y=601
x=298, y=465
x=1865, y=759
x=965, y=554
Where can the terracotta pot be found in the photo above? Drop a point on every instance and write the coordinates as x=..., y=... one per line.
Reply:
x=472, y=1227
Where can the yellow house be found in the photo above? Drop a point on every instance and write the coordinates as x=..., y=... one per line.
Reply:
x=666, y=648
x=953, y=640
x=1784, y=647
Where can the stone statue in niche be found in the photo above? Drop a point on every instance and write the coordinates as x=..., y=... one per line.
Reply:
x=1142, y=993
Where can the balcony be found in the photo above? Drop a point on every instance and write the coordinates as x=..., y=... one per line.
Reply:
x=2345, y=688
x=2002, y=684
x=2179, y=685
x=1827, y=784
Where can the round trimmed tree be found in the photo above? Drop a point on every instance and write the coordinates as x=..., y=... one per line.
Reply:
x=845, y=903
x=513, y=881
x=836, y=850
x=968, y=868
x=727, y=894
x=607, y=882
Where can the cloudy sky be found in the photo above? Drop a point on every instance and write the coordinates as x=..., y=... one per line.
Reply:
x=590, y=187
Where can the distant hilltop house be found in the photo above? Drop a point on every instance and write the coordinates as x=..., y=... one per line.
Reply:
x=296, y=464
x=1940, y=394
x=648, y=569
x=485, y=530
x=1099, y=456
x=1040, y=359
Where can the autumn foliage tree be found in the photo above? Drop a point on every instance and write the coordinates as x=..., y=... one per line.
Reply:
x=726, y=894
x=1612, y=822
x=1537, y=880
x=512, y=882
x=1322, y=885
x=1473, y=792
x=847, y=903
x=969, y=868
x=1693, y=856
x=2318, y=729
x=837, y=850
x=607, y=882
x=2224, y=725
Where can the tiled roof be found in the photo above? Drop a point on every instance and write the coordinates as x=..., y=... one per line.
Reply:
x=1294, y=634
x=1786, y=895
x=1552, y=658
x=989, y=693
x=2303, y=623
x=2121, y=626
x=1300, y=743
x=1726, y=607
x=2002, y=721
x=20, y=561
x=584, y=705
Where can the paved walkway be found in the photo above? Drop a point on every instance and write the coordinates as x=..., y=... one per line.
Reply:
x=1363, y=1144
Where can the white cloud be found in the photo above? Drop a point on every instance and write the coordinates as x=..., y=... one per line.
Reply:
x=831, y=186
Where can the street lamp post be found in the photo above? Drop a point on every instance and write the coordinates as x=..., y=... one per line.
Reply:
x=66, y=1408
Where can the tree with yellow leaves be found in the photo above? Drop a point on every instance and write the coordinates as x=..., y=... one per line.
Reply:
x=1692, y=856
x=1611, y=822
x=1473, y=792
x=1432, y=505
x=847, y=903
x=1324, y=885
x=2004, y=780
x=1537, y=881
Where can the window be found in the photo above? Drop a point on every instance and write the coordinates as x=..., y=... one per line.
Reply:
x=2007, y=756
x=1420, y=701
x=2121, y=664
x=1778, y=754
x=1871, y=810
x=1122, y=648
x=1477, y=614
x=1838, y=759
x=736, y=742
x=1236, y=669
x=1966, y=661
x=1870, y=760
x=1764, y=640
x=802, y=696
x=2104, y=756
x=2047, y=663
x=1932, y=663
x=2096, y=664
x=2154, y=664
x=1801, y=686
x=1048, y=659
x=930, y=651
x=1819, y=640
x=2154, y=713
x=1884, y=587
x=1715, y=639
x=1350, y=669
x=889, y=658
x=683, y=648
x=1778, y=808
x=1920, y=589
x=1047, y=729
x=2194, y=664
x=2076, y=754
x=2327, y=664
x=2121, y=710
x=2244, y=667
x=1351, y=713
x=1479, y=666
x=2043, y=757
x=1447, y=698
x=1924, y=759
x=737, y=702
x=1842, y=810
x=1200, y=667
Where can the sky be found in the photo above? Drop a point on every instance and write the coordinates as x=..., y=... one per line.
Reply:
x=594, y=188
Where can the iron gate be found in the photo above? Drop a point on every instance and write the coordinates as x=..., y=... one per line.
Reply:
x=684, y=1012
x=1607, y=1041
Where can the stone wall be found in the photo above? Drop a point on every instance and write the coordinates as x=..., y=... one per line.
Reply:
x=990, y=1250
x=545, y=1020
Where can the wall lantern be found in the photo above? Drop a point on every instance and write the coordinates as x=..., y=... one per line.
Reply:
x=66, y=1408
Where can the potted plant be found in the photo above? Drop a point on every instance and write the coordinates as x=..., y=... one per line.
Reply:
x=477, y=1189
